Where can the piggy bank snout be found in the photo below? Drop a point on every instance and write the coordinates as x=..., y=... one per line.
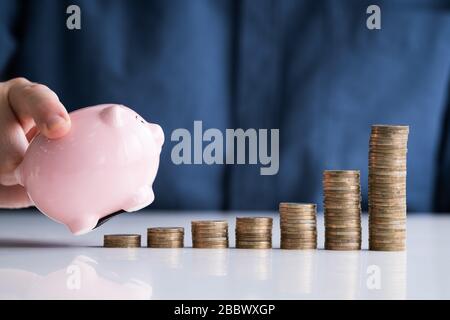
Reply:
x=157, y=132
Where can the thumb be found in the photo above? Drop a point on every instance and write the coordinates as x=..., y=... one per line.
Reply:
x=36, y=104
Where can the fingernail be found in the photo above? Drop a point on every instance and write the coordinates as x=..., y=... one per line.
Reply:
x=55, y=122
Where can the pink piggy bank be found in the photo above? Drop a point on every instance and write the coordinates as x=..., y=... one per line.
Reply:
x=106, y=163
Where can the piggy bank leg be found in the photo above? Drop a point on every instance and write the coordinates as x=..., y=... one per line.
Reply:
x=140, y=199
x=82, y=225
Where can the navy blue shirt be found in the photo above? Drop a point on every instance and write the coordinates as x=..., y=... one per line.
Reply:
x=310, y=68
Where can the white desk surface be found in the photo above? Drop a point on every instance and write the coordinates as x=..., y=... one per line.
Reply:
x=40, y=259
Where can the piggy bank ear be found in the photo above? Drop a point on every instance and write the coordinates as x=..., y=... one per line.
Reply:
x=158, y=133
x=113, y=115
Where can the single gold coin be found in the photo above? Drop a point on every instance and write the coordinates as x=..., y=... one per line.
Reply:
x=254, y=220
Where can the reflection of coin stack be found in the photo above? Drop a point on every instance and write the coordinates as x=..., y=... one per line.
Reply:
x=122, y=240
x=258, y=266
x=211, y=262
x=210, y=234
x=342, y=206
x=387, y=188
x=172, y=259
x=294, y=273
x=387, y=273
x=168, y=237
x=298, y=225
x=254, y=232
x=343, y=271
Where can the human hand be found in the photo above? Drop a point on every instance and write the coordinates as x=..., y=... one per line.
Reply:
x=26, y=109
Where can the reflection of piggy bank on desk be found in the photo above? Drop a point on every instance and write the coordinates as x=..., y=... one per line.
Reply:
x=83, y=279
x=106, y=163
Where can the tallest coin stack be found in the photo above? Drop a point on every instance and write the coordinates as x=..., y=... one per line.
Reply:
x=387, y=187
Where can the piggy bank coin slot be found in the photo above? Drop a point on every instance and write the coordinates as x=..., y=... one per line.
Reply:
x=106, y=218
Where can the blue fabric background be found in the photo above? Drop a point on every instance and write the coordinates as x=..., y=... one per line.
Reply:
x=310, y=68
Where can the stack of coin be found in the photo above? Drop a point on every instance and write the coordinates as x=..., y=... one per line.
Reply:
x=387, y=187
x=122, y=240
x=342, y=206
x=168, y=237
x=210, y=234
x=298, y=225
x=254, y=232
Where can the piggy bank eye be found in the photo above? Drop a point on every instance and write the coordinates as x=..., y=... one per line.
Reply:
x=141, y=120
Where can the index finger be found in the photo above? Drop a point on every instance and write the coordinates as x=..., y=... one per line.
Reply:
x=37, y=103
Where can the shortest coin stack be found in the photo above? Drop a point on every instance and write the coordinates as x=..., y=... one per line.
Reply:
x=254, y=232
x=298, y=226
x=210, y=234
x=167, y=237
x=122, y=240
